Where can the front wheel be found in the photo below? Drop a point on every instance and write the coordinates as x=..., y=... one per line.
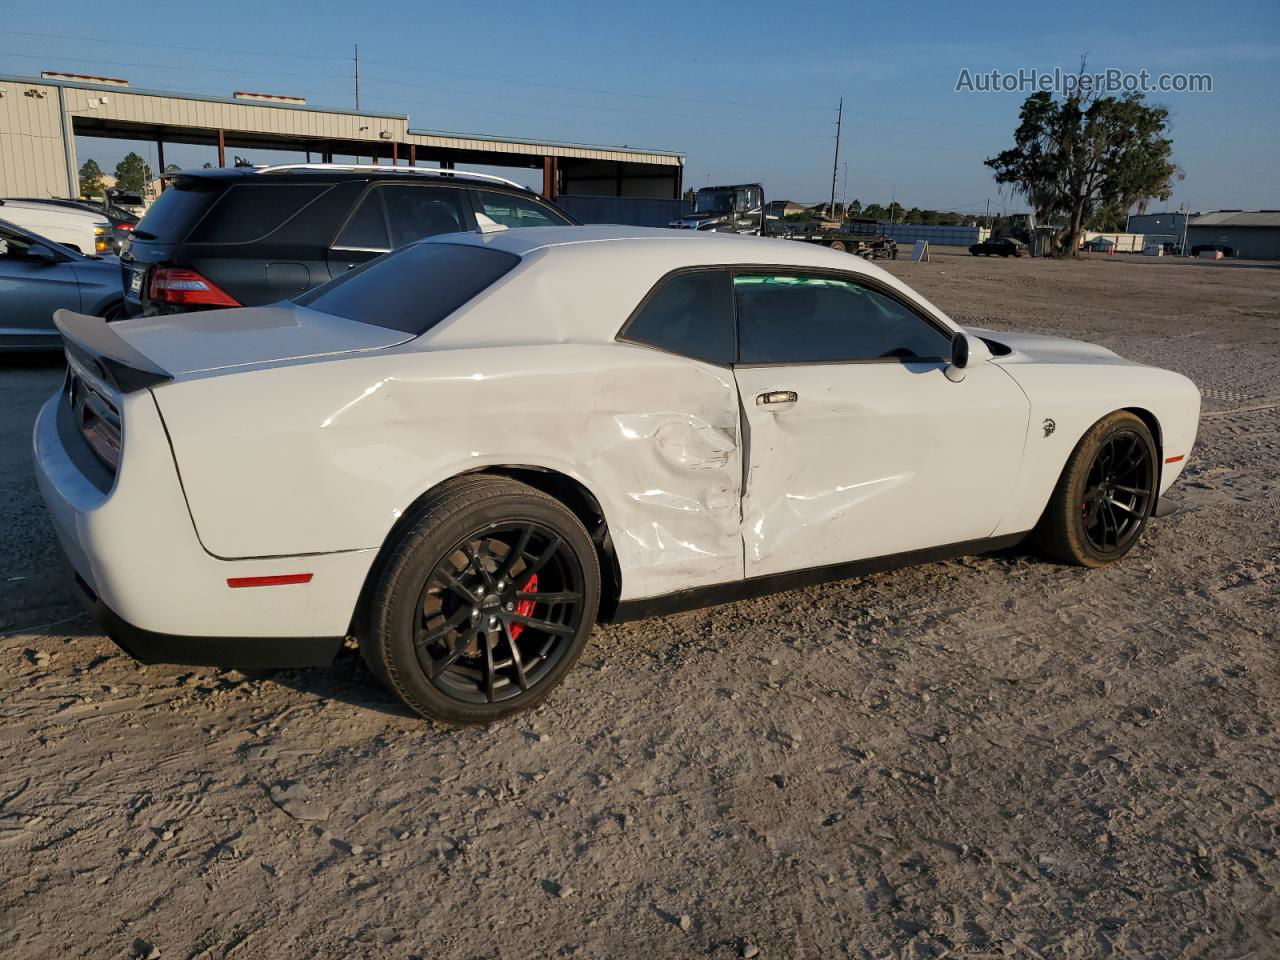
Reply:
x=484, y=602
x=1105, y=495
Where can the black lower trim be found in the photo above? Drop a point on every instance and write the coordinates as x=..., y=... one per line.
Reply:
x=250, y=653
x=794, y=579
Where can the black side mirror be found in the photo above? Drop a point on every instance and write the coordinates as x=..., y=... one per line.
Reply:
x=959, y=357
x=40, y=253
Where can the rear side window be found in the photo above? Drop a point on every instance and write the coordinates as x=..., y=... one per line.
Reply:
x=690, y=314
x=392, y=215
x=511, y=210
x=412, y=289
x=248, y=212
x=174, y=211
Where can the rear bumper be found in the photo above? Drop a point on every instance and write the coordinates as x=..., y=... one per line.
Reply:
x=248, y=653
x=144, y=573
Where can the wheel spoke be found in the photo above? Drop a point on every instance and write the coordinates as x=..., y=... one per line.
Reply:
x=559, y=629
x=451, y=581
x=552, y=546
x=427, y=637
x=488, y=667
x=474, y=559
x=559, y=596
x=521, y=680
x=516, y=554
x=1136, y=491
x=1117, y=503
x=440, y=666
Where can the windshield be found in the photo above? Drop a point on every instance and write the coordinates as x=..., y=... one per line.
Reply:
x=713, y=201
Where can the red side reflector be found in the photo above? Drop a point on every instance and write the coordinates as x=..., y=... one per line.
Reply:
x=1181, y=456
x=278, y=580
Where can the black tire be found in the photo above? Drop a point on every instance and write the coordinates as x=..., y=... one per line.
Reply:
x=460, y=657
x=113, y=313
x=839, y=247
x=1105, y=495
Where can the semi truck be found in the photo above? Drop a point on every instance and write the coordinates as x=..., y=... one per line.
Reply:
x=741, y=208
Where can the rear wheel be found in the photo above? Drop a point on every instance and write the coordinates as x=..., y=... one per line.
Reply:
x=484, y=602
x=839, y=246
x=1105, y=494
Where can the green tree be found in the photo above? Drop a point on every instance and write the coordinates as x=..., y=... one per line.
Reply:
x=132, y=173
x=1075, y=158
x=91, y=179
x=171, y=168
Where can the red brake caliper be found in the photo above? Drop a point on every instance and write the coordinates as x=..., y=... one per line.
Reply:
x=525, y=607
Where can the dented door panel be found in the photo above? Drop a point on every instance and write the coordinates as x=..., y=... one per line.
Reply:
x=874, y=459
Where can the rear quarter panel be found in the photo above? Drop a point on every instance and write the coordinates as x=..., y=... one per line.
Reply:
x=319, y=457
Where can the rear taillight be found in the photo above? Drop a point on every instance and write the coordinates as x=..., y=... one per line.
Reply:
x=98, y=420
x=187, y=288
x=126, y=227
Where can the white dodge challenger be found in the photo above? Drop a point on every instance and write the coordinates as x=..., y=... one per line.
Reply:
x=467, y=452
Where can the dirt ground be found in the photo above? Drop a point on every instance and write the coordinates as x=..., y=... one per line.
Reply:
x=995, y=757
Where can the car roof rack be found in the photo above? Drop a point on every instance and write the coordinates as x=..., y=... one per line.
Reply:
x=387, y=168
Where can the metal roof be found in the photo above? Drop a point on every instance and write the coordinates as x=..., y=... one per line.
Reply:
x=1238, y=218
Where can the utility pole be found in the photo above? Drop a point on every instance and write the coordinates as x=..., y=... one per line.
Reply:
x=988, y=213
x=357, y=76
x=835, y=163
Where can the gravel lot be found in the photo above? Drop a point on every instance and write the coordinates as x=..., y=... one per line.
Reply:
x=994, y=757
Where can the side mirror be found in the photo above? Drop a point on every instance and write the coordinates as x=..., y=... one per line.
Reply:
x=40, y=253
x=959, y=357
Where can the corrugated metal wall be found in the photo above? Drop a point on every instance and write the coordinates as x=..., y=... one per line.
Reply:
x=32, y=161
x=632, y=211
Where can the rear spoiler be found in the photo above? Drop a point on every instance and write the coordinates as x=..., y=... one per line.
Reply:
x=92, y=342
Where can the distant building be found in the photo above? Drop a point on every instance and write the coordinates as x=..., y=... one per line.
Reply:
x=1253, y=234
x=1159, y=224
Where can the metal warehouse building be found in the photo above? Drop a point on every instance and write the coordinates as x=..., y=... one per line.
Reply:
x=1254, y=235
x=40, y=119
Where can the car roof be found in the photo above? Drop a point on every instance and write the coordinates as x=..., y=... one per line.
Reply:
x=51, y=209
x=351, y=171
x=690, y=247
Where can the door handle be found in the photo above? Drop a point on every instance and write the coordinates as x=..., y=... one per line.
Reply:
x=777, y=396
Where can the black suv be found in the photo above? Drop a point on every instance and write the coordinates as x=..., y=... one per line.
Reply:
x=245, y=236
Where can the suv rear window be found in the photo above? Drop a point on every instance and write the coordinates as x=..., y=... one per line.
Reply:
x=248, y=212
x=174, y=211
x=412, y=289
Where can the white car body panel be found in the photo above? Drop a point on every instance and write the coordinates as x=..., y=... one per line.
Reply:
x=65, y=225
x=296, y=440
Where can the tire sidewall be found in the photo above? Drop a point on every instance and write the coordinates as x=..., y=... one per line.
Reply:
x=401, y=589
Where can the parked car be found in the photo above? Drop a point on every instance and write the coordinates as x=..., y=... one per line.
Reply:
x=247, y=236
x=122, y=221
x=84, y=231
x=467, y=452
x=999, y=247
x=38, y=276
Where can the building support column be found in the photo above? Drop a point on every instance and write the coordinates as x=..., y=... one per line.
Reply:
x=413, y=154
x=395, y=154
x=222, y=148
x=549, y=170
x=160, y=161
x=679, y=180
x=617, y=190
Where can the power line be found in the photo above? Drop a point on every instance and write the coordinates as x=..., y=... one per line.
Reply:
x=173, y=46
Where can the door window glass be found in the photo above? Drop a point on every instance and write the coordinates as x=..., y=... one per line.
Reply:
x=415, y=211
x=798, y=319
x=367, y=228
x=512, y=210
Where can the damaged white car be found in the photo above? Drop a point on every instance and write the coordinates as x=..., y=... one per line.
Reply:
x=466, y=453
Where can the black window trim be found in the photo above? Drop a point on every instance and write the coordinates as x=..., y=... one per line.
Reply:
x=755, y=269
x=857, y=279
x=279, y=226
x=477, y=205
x=468, y=211
x=621, y=335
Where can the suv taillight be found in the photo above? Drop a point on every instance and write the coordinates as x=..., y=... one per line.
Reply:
x=187, y=288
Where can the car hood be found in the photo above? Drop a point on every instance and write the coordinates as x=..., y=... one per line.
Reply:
x=186, y=343
x=1033, y=348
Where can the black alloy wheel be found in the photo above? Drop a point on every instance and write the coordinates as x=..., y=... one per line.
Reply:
x=1105, y=494
x=498, y=612
x=1118, y=490
x=482, y=601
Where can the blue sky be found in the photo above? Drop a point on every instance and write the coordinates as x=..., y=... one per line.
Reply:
x=746, y=90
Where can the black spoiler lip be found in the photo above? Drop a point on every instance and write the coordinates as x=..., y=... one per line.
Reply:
x=94, y=344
